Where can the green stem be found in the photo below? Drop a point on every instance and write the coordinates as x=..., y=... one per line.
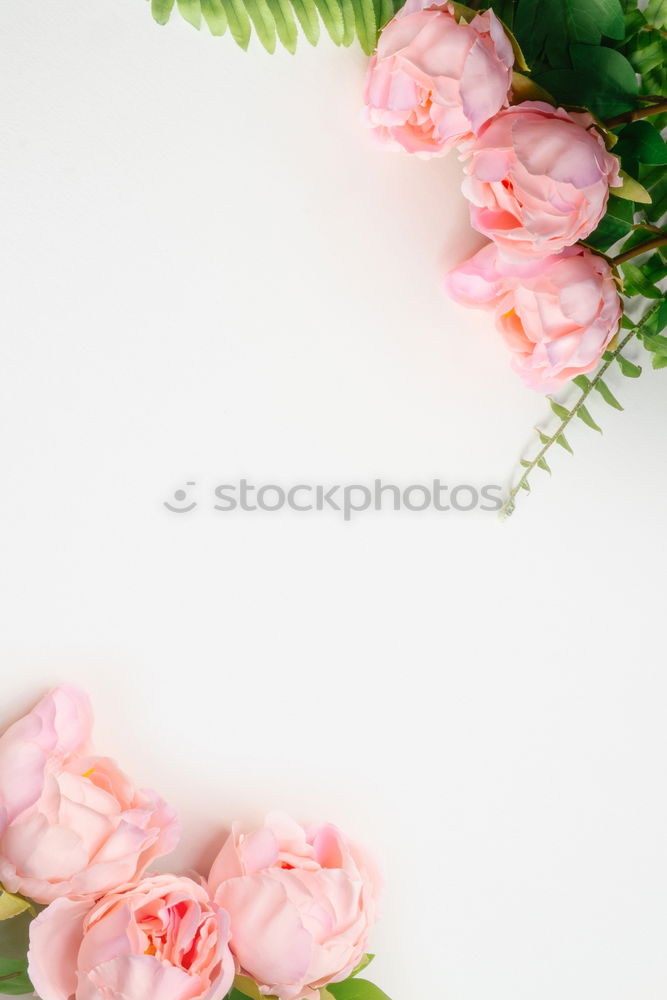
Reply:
x=639, y=113
x=658, y=241
x=509, y=505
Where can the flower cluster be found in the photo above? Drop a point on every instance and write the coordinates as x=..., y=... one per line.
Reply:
x=537, y=179
x=285, y=911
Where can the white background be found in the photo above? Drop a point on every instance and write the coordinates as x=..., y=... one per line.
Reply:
x=210, y=271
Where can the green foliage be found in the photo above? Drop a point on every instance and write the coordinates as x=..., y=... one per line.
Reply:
x=14, y=980
x=14, y=930
x=547, y=29
x=351, y=988
x=356, y=989
x=276, y=21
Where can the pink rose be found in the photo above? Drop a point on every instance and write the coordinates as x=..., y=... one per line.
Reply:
x=71, y=824
x=301, y=902
x=557, y=314
x=538, y=179
x=160, y=939
x=435, y=80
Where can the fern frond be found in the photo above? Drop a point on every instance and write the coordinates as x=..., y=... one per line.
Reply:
x=284, y=20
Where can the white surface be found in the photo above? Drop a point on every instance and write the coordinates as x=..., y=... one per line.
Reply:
x=209, y=272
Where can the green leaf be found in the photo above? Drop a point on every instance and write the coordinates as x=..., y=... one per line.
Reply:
x=542, y=463
x=582, y=381
x=190, y=11
x=643, y=142
x=584, y=415
x=285, y=23
x=589, y=20
x=332, y=18
x=11, y=905
x=618, y=221
x=364, y=16
x=656, y=13
x=307, y=17
x=239, y=22
x=638, y=283
x=349, y=21
x=561, y=411
x=544, y=438
x=632, y=190
x=607, y=394
x=263, y=22
x=356, y=989
x=247, y=987
x=524, y=88
x=363, y=964
x=161, y=10
x=629, y=369
x=546, y=29
x=214, y=15
x=601, y=79
x=14, y=980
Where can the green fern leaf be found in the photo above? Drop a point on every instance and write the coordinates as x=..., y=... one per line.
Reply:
x=214, y=15
x=607, y=394
x=331, y=13
x=161, y=10
x=285, y=23
x=366, y=23
x=349, y=22
x=239, y=22
x=307, y=17
x=190, y=11
x=584, y=415
x=627, y=367
x=561, y=411
x=263, y=23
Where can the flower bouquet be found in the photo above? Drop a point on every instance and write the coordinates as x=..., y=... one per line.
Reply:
x=556, y=109
x=285, y=911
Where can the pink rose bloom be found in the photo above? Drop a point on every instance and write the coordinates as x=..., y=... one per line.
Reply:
x=301, y=902
x=71, y=824
x=435, y=81
x=557, y=314
x=160, y=939
x=538, y=179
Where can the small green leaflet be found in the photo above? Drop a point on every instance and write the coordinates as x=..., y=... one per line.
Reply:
x=14, y=980
x=607, y=394
x=356, y=989
x=629, y=369
x=561, y=411
x=584, y=415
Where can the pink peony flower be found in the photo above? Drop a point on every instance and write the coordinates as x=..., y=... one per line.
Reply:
x=160, y=939
x=71, y=824
x=538, y=179
x=435, y=81
x=301, y=902
x=557, y=314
